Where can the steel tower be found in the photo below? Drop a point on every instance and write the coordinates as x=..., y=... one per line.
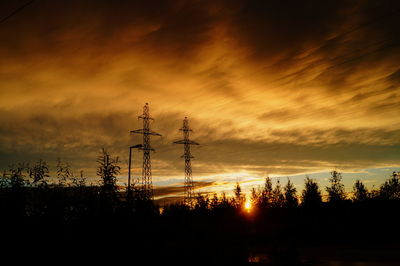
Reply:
x=188, y=186
x=145, y=184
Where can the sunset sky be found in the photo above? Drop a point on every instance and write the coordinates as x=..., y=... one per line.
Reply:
x=279, y=88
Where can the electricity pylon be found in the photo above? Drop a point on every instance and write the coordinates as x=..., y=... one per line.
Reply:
x=146, y=184
x=188, y=186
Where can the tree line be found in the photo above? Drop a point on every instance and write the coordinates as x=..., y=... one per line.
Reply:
x=215, y=228
x=37, y=176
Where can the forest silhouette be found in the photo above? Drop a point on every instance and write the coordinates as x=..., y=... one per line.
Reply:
x=71, y=219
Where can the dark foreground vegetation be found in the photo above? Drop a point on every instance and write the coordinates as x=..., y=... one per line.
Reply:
x=73, y=221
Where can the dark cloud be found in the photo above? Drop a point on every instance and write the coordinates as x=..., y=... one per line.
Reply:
x=174, y=190
x=87, y=28
x=235, y=152
x=318, y=44
x=79, y=138
x=167, y=200
x=277, y=86
x=165, y=191
x=90, y=34
x=395, y=77
x=271, y=28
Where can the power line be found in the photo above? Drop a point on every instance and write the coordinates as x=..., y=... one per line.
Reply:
x=19, y=9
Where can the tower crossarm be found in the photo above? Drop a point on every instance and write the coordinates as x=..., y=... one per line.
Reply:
x=187, y=142
x=144, y=131
x=143, y=116
x=188, y=157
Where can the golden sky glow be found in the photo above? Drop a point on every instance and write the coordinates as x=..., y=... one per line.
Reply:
x=270, y=87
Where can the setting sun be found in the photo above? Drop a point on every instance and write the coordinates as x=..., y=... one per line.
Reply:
x=248, y=206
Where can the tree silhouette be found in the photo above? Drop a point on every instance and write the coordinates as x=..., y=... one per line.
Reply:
x=391, y=188
x=78, y=181
x=214, y=201
x=17, y=177
x=374, y=193
x=39, y=173
x=265, y=196
x=360, y=192
x=311, y=195
x=240, y=198
x=108, y=170
x=224, y=201
x=82, y=179
x=336, y=191
x=64, y=172
x=18, y=182
x=84, y=215
x=255, y=197
x=4, y=180
x=290, y=195
x=277, y=195
x=202, y=203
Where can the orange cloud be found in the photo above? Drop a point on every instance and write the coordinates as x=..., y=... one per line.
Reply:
x=268, y=86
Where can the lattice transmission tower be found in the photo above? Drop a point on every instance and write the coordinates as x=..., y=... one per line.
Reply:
x=189, y=185
x=145, y=185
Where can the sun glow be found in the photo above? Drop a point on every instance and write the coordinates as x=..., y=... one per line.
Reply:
x=248, y=206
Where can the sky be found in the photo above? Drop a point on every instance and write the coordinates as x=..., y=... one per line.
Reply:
x=278, y=88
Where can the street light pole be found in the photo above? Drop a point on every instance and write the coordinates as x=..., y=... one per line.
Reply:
x=130, y=163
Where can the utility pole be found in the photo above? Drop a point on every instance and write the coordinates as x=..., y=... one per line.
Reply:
x=146, y=183
x=129, y=169
x=188, y=186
